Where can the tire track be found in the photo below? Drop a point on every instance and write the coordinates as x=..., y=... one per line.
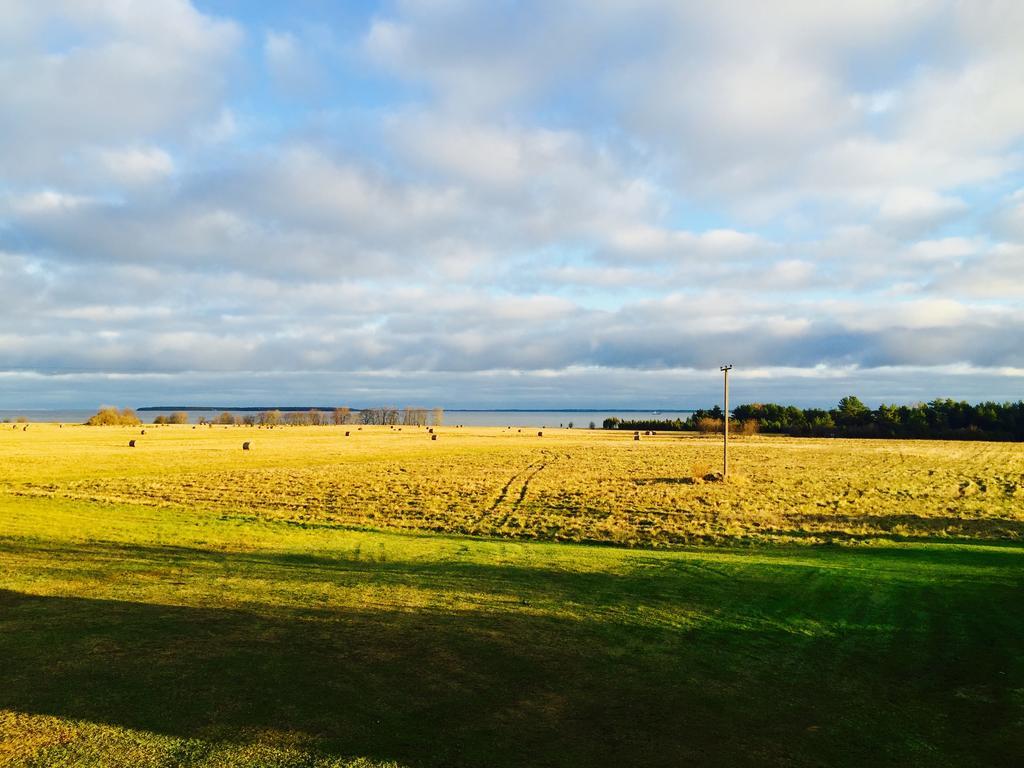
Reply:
x=526, y=486
x=511, y=510
x=504, y=491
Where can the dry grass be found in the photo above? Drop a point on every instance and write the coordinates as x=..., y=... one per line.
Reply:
x=211, y=607
x=573, y=485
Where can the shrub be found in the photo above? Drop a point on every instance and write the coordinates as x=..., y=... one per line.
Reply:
x=108, y=416
x=700, y=469
x=707, y=425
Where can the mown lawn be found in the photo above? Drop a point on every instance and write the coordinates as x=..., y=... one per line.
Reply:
x=148, y=636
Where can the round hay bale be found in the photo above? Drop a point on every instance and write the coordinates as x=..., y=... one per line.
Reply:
x=433, y=437
x=245, y=446
x=636, y=436
x=131, y=443
x=347, y=434
x=540, y=434
x=142, y=432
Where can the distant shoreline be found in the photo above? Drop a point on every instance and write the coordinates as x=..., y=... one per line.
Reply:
x=299, y=408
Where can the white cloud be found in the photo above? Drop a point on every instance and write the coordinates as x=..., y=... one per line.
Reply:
x=912, y=208
x=130, y=73
x=48, y=201
x=532, y=192
x=135, y=164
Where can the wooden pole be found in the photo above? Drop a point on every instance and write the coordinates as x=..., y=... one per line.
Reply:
x=725, y=424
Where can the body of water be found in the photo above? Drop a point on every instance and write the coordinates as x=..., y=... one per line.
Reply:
x=579, y=419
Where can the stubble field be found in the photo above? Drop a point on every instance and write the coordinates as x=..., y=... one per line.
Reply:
x=384, y=599
x=569, y=485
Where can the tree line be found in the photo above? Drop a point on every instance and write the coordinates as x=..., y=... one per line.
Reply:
x=942, y=418
x=314, y=417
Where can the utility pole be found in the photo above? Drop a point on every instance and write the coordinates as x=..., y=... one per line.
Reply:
x=725, y=424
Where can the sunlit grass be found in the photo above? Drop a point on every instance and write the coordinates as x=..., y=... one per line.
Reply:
x=185, y=603
x=570, y=485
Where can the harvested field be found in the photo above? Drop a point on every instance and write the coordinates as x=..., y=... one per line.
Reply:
x=570, y=485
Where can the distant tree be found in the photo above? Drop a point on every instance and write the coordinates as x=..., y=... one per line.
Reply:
x=593, y=425
x=178, y=417
x=851, y=412
x=340, y=416
x=108, y=415
x=821, y=419
x=224, y=418
x=296, y=418
x=270, y=418
x=887, y=415
x=161, y=420
x=437, y=417
x=416, y=417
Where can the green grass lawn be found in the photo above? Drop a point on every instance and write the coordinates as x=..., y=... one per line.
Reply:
x=144, y=636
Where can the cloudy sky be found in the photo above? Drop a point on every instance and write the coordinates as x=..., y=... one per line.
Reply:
x=513, y=204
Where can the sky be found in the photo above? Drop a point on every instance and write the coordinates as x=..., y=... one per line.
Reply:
x=510, y=204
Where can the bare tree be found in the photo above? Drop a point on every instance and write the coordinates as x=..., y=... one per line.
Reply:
x=270, y=418
x=415, y=417
x=437, y=417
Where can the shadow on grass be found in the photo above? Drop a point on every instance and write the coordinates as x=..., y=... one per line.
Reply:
x=430, y=687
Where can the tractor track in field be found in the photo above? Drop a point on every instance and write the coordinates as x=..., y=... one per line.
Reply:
x=504, y=491
x=526, y=486
x=510, y=506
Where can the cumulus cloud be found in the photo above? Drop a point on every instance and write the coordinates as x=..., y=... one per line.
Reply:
x=527, y=202
x=134, y=164
x=124, y=73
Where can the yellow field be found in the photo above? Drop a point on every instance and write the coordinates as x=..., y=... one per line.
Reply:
x=576, y=485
